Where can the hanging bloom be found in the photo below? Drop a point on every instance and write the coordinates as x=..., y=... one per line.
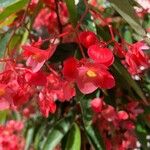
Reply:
x=88, y=76
x=37, y=57
x=101, y=55
x=136, y=59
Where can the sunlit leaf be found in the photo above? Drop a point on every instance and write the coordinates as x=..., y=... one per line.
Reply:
x=74, y=138
x=125, y=9
x=12, y=9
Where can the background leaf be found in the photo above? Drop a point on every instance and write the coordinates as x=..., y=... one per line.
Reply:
x=125, y=9
x=92, y=133
x=74, y=138
x=72, y=11
x=57, y=133
x=12, y=9
x=3, y=43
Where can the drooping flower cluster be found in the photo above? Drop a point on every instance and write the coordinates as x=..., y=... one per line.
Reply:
x=116, y=126
x=134, y=58
x=10, y=136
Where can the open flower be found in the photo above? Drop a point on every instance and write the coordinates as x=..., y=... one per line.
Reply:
x=37, y=57
x=88, y=76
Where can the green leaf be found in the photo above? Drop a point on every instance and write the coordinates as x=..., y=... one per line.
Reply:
x=142, y=133
x=95, y=137
x=38, y=137
x=128, y=35
x=8, y=21
x=92, y=133
x=87, y=20
x=12, y=9
x=3, y=43
x=128, y=79
x=72, y=11
x=125, y=9
x=57, y=133
x=74, y=138
x=6, y=3
x=3, y=115
x=29, y=138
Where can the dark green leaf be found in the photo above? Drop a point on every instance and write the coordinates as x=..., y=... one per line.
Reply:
x=125, y=9
x=72, y=11
x=3, y=43
x=57, y=133
x=87, y=20
x=38, y=137
x=95, y=138
x=74, y=138
x=91, y=131
x=142, y=133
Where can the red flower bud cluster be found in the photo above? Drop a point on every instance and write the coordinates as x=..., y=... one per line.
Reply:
x=116, y=126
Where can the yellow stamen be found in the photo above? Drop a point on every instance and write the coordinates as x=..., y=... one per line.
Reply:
x=35, y=57
x=91, y=73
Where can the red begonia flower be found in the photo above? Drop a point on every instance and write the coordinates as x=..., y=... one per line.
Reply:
x=37, y=57
x=93, y=76
x=88, y=38
x=88, y=76
x=101, y=55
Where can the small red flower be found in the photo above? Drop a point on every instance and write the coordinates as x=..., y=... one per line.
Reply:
x=88, y=38
x=97, y=104
x=123, y=115
x=136, y=59
x=101, y=55
x=37, y=57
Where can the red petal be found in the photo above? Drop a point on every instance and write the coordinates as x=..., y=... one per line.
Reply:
x=88, y=38
x=101, y=55
x=70, y=68
x=96, y=104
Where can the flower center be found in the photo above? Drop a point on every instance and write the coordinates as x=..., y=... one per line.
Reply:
x=35, y=56
x=91, y=73
x=2, y=91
